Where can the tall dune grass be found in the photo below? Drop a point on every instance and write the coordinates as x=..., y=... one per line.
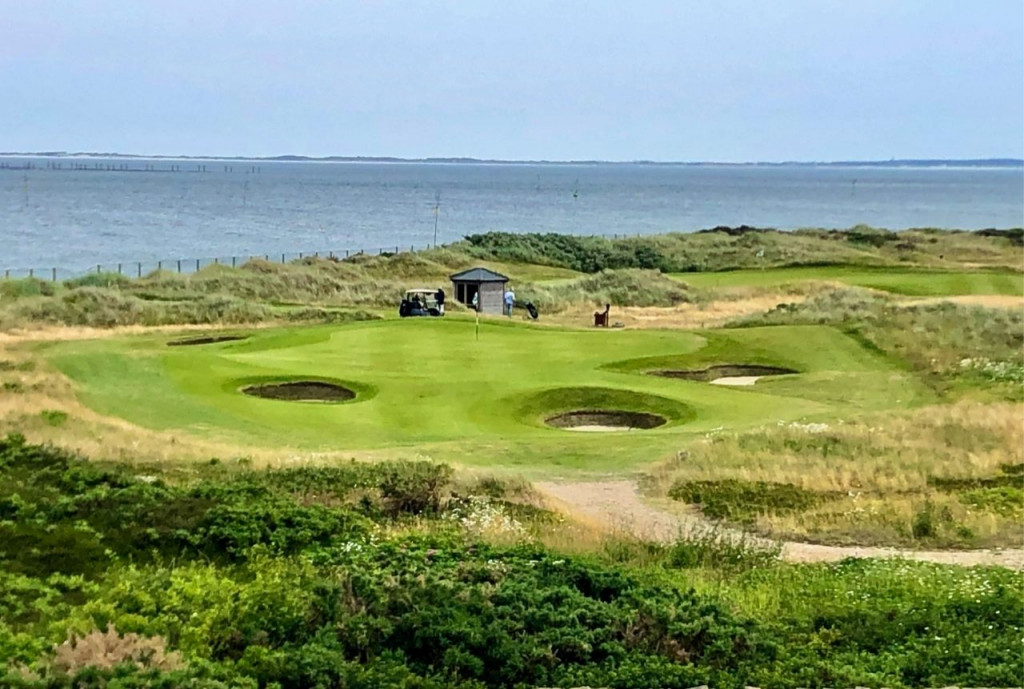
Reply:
x=879, y=478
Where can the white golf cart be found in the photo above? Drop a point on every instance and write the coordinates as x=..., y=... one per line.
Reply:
x=422, y=302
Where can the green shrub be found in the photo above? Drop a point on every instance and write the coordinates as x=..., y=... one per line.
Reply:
x=414, y=487
x=743, y=501
x=269, y=579
x=54, y=417
x=98, y=280
x=26, y=287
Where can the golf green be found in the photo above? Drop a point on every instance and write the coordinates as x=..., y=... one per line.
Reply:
x=432, y=387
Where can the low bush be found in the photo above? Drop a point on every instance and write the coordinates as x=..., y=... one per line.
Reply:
x=744, y=501
x=253, y=579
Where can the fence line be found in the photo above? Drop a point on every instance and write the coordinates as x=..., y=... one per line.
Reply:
x=188, y=266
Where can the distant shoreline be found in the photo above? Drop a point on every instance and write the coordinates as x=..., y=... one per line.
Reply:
x=1011, y=163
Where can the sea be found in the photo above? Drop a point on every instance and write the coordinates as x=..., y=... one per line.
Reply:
x=63, y=216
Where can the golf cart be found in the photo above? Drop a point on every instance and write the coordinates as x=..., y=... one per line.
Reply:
x=422, y=302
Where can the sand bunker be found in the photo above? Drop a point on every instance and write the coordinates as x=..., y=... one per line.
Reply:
x=726, y=374
x=735, y=380
x=301, y=391
x=605, y=420
x=205, y=339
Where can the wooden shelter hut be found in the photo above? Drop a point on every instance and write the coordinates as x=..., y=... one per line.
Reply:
x=488, y=285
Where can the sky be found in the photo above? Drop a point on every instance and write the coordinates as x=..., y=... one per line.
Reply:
x=682, y=80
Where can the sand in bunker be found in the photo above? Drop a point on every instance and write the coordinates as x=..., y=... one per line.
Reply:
x=735, y=380
x=595, y=428
x=604, y=420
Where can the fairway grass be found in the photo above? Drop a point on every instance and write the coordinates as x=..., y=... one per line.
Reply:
x=909, y=282
x=430, y=386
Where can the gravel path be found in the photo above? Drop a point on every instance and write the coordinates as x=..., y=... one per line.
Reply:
x=617, y=505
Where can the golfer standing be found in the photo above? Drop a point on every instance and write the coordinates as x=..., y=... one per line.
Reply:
x=510, y=301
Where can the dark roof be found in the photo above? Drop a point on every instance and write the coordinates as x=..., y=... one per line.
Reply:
x=479, y=275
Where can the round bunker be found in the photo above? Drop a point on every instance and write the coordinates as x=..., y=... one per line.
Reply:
x=600, y=409
x=735, y=374
x=205, y=340
x=605, y=420
x=300, y=391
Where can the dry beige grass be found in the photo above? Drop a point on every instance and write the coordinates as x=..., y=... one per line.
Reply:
x=109, y=649
x=606, y=510
x=991, y=301
x=710, y=314
x=877, y=471
x=888, y=454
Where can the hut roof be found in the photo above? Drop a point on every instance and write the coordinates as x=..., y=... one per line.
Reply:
x=479, y=275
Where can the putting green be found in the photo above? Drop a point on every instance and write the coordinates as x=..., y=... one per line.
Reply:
x=916, y=283
x=429, y=386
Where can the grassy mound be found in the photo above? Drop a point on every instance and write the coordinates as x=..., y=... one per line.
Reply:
x=747, y=247
x=630, y=287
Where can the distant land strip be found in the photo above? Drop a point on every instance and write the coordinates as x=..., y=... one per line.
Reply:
x=902, y=162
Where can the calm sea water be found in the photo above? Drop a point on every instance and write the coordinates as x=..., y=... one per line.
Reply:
x=168, y=210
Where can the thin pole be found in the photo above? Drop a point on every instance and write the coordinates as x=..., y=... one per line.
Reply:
x=437, y=212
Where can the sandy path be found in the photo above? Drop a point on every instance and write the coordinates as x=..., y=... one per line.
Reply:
x=617, y=505
x=992, y=301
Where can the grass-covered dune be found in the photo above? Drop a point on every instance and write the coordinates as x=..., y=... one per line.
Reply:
x=556, y=272
x=435, y=386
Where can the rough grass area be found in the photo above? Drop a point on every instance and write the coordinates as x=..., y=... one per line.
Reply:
x=940, y=476
x=375, y=575
x=544, y=269
x=954, y=346
x=628, y=287
x=109, y=307
x=743, y=501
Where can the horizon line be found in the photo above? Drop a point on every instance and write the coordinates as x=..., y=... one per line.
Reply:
x=1000, y=161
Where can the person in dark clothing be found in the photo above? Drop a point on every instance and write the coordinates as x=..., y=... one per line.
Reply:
x=439, y=298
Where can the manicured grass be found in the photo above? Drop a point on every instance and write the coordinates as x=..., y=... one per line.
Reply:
x=429, y=386
x=918, y=283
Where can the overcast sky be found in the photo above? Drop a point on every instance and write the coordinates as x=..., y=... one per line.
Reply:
x=729, y=80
